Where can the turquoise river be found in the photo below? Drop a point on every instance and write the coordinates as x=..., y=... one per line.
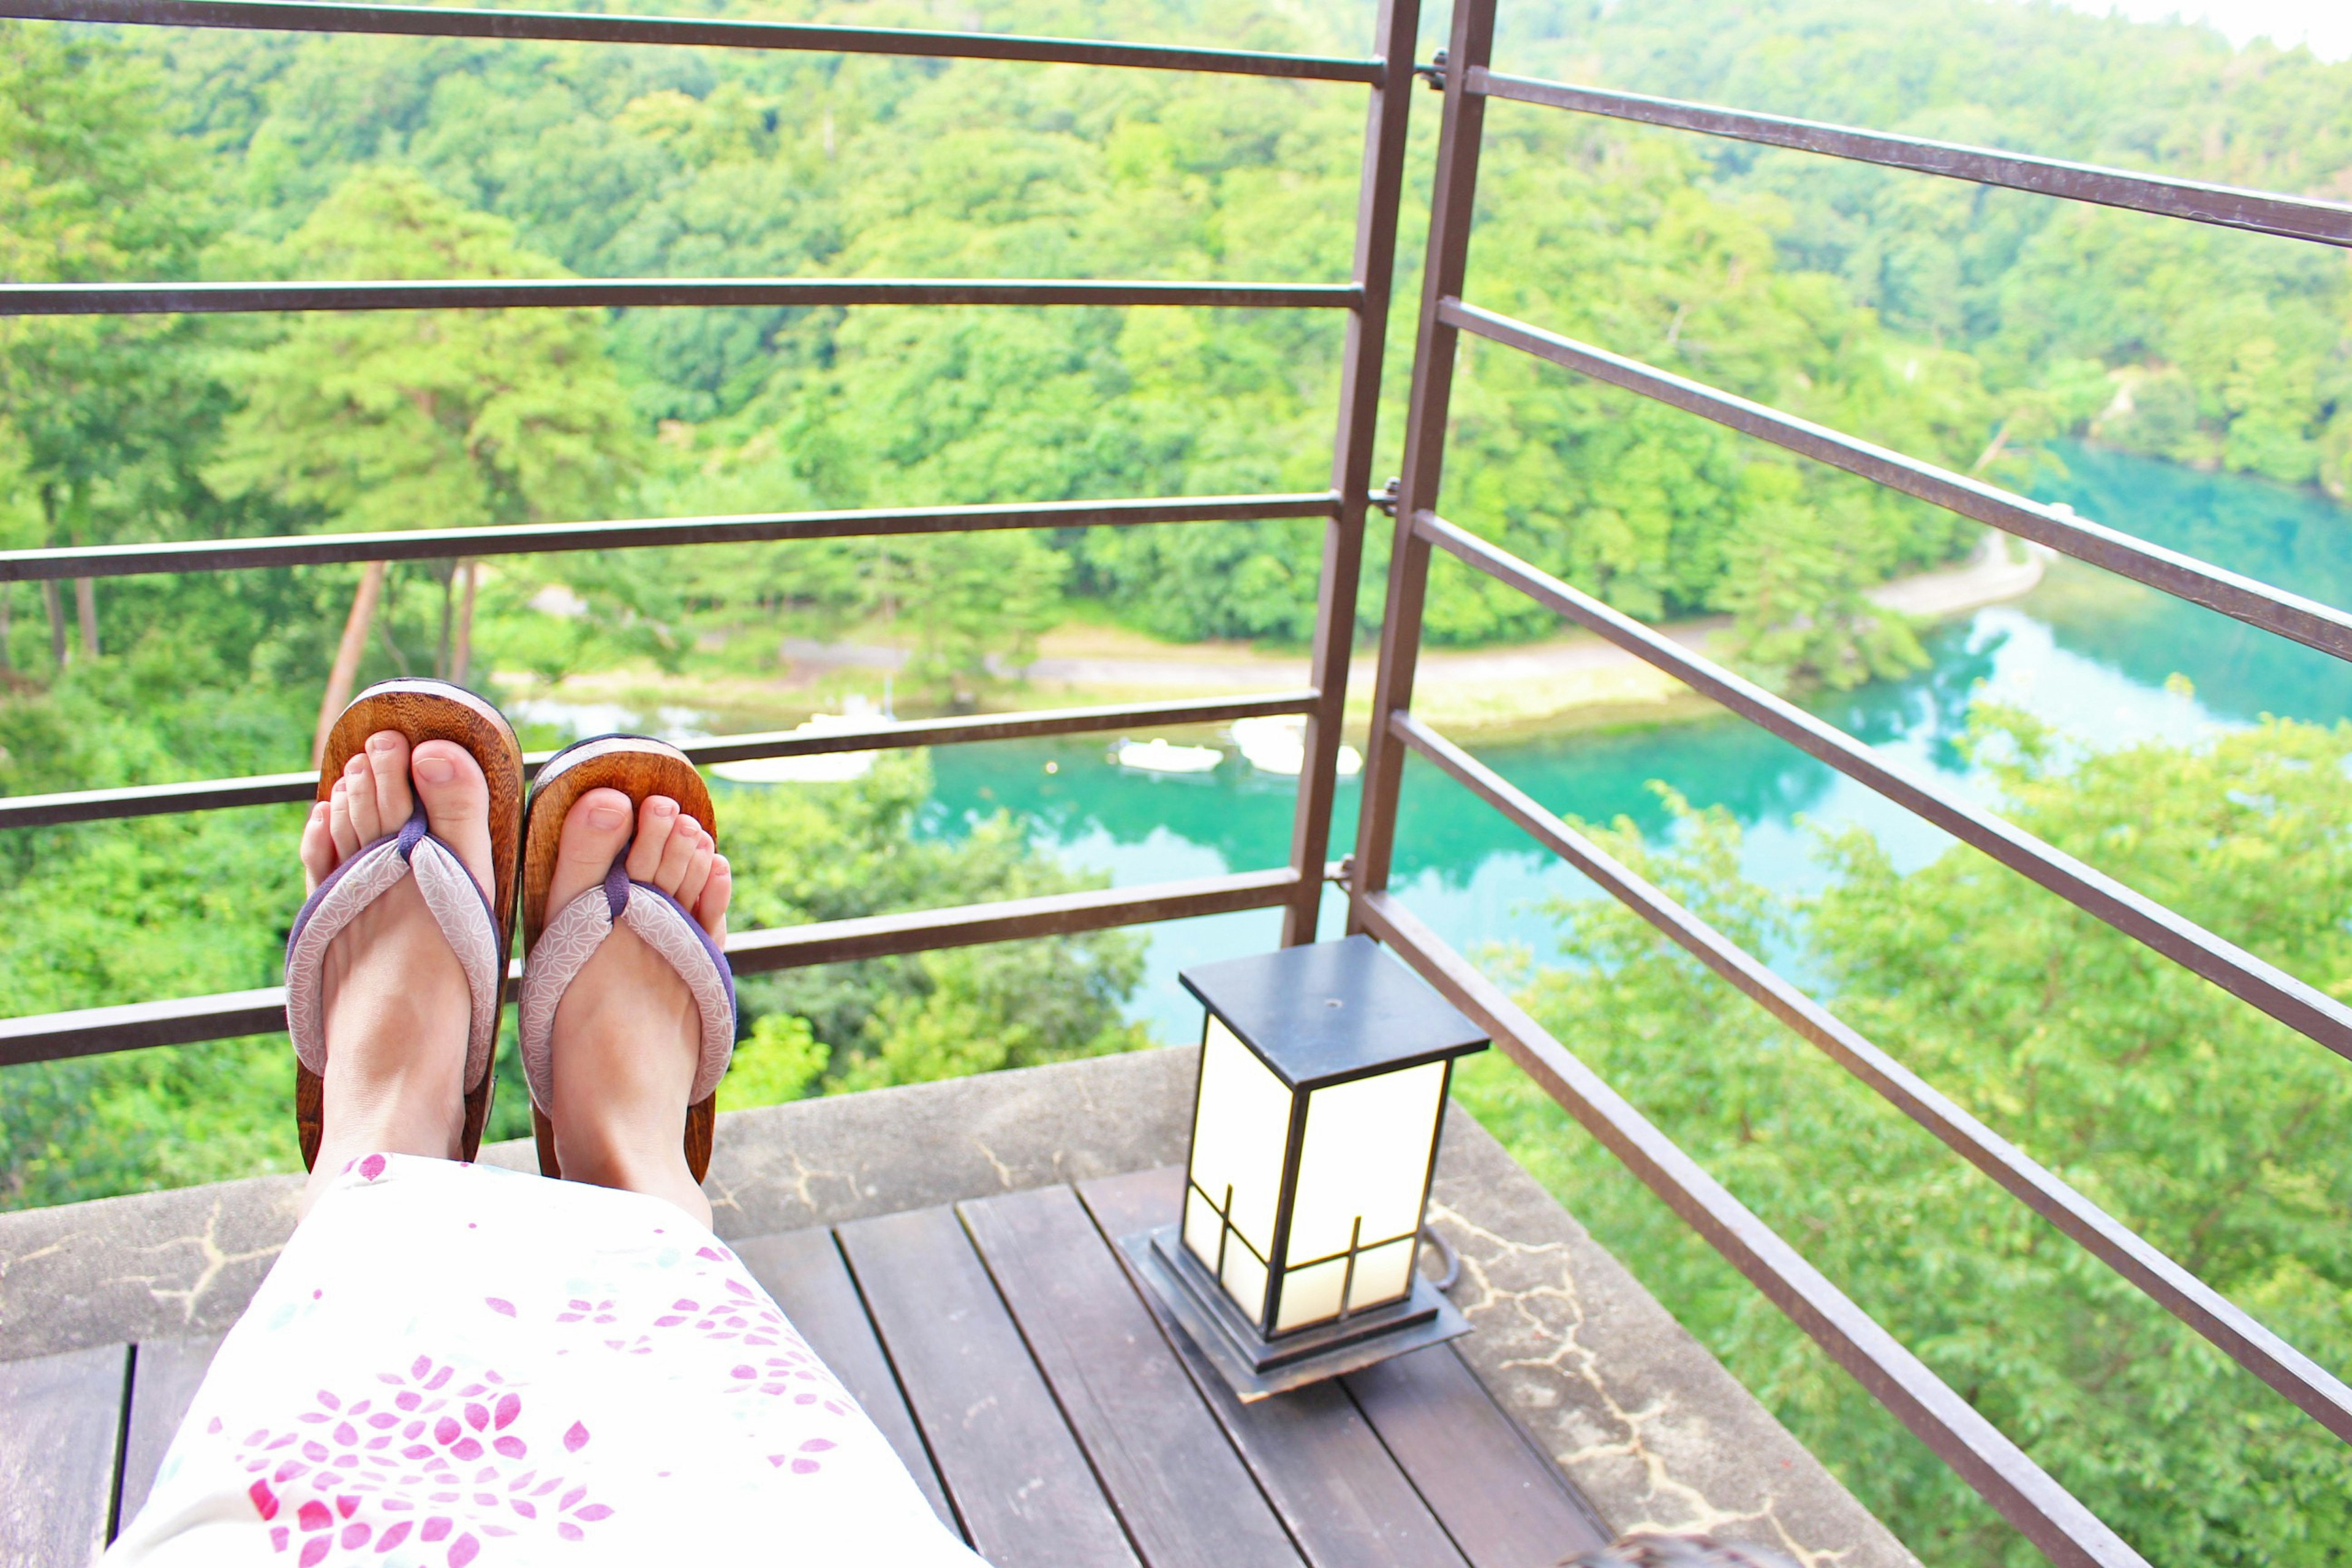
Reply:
x=2084, y=651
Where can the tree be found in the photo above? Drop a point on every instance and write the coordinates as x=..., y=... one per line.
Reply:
x=2212, y=1131
x=426, y=419
x=104, y=416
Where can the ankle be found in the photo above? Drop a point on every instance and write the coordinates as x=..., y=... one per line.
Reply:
x=637, y=1160
x=393, y=1115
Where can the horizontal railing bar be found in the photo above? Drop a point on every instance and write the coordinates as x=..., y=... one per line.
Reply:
x=2300, y=1007
x=562, y=27
x=281, y=789
x=2306, y=621
x=190, y=1020
x=2023, y=1493
x=180, y=1021
x=2228, y=206
x=66, y=806
x=1060, y=914
x=575, y=293
x=2317, y=1391
x=551, y=538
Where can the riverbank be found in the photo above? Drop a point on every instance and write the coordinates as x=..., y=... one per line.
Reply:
x=1572, y=681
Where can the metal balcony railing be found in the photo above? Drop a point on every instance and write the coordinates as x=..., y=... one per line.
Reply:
x=1296, y=889
x=2028, y=1497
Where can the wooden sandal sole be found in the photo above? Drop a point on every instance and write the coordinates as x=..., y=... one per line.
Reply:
x=637, y=766
x=425, y=710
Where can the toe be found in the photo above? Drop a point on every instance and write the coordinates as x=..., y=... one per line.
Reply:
x=717, y=888
x=319, y=854
x=677, y=857
x=339, y=821
x=697, y=876
x=655, y=818
x=456, y=805
x=594, y=829
x=387, y=757
x=358, y=798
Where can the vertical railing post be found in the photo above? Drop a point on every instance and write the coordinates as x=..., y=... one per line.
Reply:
x=1452, y=196
x=1378, y=194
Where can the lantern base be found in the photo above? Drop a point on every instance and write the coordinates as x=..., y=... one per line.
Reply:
x=1256, y=1366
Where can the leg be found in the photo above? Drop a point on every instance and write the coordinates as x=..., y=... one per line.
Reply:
x=396, y=1004
x=628, y=1037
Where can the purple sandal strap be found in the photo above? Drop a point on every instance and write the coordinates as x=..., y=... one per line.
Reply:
x=457, y=904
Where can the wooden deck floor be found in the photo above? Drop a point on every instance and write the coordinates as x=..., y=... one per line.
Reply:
x=1002, y=1347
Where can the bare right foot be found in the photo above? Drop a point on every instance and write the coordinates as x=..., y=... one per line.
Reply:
x=628, y=1037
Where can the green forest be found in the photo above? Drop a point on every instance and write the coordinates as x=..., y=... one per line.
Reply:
x=1966, y=326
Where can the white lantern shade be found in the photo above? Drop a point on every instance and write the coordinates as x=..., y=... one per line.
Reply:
x=1241, y=1131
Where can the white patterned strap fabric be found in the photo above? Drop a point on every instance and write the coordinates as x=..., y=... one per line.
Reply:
x=451, y=896
x=570, y=940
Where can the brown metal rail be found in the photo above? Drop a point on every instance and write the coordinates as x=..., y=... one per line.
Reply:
x=549, y=538
x=2317, y=1391
x=641, y=293
x=2228, y=206
x=588, y=28
x=2029, y=1499
x=289, y=788
x=2001, y=1473
x=189, y=1020
x=1380, y=194
x=2307, y=621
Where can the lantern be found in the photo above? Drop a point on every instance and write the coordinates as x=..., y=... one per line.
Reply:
x=1315, y=1125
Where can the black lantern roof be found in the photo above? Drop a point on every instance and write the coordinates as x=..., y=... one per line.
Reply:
x=1331, y=1011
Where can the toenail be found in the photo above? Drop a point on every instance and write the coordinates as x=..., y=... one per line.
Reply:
x=355, y=767
x=606, y=816
x=435, y=769
x=383, y=742
x=662, y=808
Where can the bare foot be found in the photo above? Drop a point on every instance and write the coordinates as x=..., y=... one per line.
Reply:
x=396, y=1008
x=627, y=1039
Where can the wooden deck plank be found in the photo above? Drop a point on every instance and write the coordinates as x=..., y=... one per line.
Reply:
x=1339, y=1491
x=1183, y=1493
x=803, y=1271
x=61, y=1438
x=1017, y=1475
x=1502, y=1501
x=164, y=1376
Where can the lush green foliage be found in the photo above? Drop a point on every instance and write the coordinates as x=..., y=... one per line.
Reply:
x=2208, y=347
x=343, y=157
x=1958, y=325
x=2212, y=1130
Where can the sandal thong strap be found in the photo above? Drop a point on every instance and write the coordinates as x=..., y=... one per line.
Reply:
x=457, y=904
x=573, y=937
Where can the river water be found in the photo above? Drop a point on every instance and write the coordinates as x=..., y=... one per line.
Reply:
x=2084, y=651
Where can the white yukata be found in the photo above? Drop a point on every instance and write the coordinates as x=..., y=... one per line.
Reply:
x=453, y=1365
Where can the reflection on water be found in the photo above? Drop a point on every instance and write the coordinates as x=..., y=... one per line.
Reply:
x=2085, y=652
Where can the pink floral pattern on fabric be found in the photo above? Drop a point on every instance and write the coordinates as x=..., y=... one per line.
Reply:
x=452, y=1366
x=428, y=1458
x=723, y=1310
